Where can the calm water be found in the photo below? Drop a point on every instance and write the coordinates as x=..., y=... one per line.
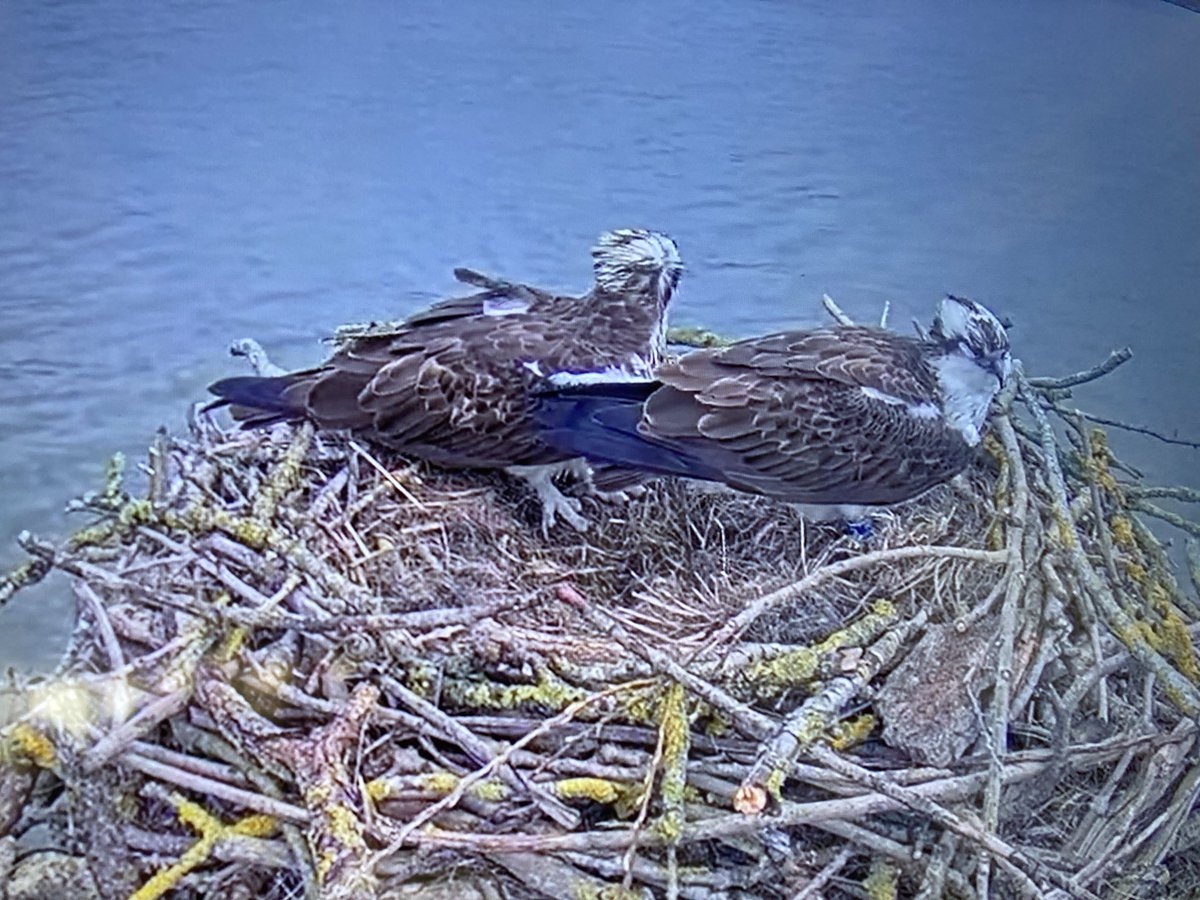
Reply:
x=176, y=175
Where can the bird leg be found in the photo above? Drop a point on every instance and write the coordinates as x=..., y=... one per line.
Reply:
x=609, y=483
x=554, y=502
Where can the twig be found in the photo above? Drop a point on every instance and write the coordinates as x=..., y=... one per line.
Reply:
x=744, y=619
x=836, y=311
x=140, y=724
x=1153, y=509
x=483, y=753
x=1178, y=492
x=387, y=475
x=1140, y=429
x=1017, y=864
x=213, y=788
x=639, y=822
x=996, y=733
x=405, y=833
x=812, y=890
x=748, y=721
x=807, y=724
x=1178, y=688
x=1115, y=358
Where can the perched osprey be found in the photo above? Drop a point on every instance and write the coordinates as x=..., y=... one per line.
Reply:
x=836, y=418
x=451, y=384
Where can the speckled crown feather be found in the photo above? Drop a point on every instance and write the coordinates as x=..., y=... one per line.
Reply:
x=635, y=260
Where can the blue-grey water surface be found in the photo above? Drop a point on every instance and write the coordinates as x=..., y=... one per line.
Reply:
x=176, y=175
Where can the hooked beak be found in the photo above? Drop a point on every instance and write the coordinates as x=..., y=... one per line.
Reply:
x=1000, y=366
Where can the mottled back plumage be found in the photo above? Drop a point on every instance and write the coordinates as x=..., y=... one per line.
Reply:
x=842, y=415
x=451, y=383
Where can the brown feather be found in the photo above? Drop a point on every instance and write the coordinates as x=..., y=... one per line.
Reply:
x=786, y=415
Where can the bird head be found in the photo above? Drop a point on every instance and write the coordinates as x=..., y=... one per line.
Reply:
x=969, y=329
x=633, y=260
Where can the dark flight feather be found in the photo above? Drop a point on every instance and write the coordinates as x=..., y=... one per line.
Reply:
x=843, y=415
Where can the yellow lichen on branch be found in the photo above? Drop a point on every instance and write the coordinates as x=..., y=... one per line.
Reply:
x=212, y=831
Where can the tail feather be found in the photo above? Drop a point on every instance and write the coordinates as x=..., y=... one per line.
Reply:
x=599, y=421
x=255, y=401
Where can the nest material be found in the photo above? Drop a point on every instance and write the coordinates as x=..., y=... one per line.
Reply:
x=300, y=670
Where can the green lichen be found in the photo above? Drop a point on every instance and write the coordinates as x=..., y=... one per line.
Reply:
x=114, y=477
x=212, y=831
x=1122, y=532
x=693, y=336
x=776, y=778
x=443, y=783
x=676, y=741
x=590, y=890
x=26, y=742
x=549, y=693
x=882, y=882
x=850, y=733
x=284, y=478
x=599, y=790
x=771, y=677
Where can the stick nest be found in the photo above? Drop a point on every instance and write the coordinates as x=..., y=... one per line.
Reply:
x=300, y=670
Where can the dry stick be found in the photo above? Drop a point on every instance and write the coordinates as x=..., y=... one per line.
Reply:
x=1115, y=358
x=902, y=853
x=676, y=727
x=952, y=789
x=108, y=637
x=549, y=876
x=482, y=752
x=997, y=734
x=201, y=766
x=836, y=311
x=136, y=726
x=639, y=823
x=27, y=573
x=938, y=868
x=744, y=619
x=696, y=882
x=751, y=723
x=1162, y=768
x=1178, y=688
x=235, y=848
x=822, y=878
x=1106, y=548
x=495, y=764
x=1141, y=429
x=262, y=611
x=213, y=788
x=387, y=475
x=1153, y=509
x=806, y=725
x=1192, y=550
x=1177, y=492
x=1012, y=860
x=1169, y=823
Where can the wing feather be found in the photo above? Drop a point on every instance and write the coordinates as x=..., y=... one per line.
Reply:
x=787, y=415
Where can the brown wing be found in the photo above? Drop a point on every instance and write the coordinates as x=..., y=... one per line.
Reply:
x=451, y=385
x=788, y=416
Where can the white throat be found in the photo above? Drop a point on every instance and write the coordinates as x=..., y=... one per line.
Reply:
x=967, y=392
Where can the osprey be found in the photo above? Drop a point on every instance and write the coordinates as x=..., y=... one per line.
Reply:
x=452, y=384
x=835, y=419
